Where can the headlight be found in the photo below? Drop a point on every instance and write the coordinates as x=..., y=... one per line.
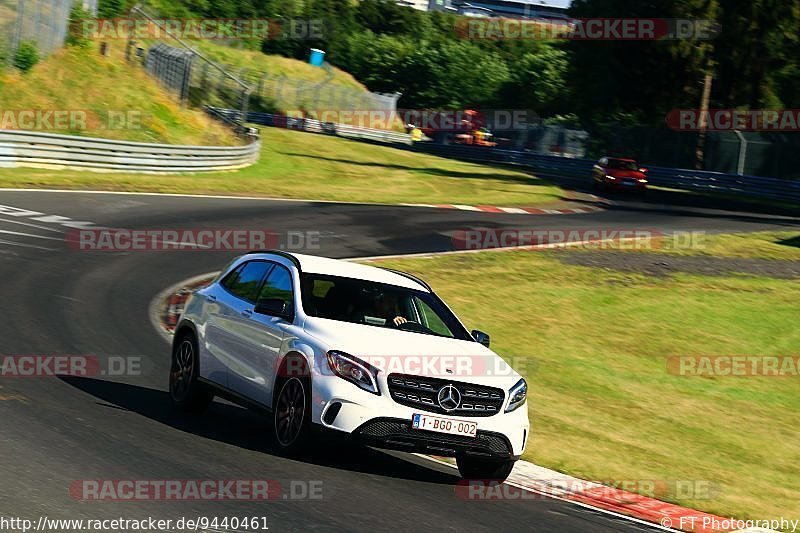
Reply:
x=517, y=395
x=610, y=177
x=354, y=370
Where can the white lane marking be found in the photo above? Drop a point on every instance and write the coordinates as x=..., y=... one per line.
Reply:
x=42, y=217
x=29, y=224
x=17, y=211
x=182, y=244
x=512, y=210
x=546, y=246
x=214, y=196
x=67, y=298
x=23, y=245
x=9, y=232
x=65, y=221
x=418, y=205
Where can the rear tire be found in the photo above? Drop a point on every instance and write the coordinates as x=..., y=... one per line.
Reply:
x=471, y=468
x=186, y=392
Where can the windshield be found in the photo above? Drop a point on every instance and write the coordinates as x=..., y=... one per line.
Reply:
x=376, y=304
x=622, y=165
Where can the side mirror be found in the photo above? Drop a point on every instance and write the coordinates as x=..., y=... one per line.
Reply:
x=274, y=307
x=481, y=337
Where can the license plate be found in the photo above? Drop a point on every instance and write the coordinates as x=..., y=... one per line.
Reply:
x=444, y=425
x=628, y=183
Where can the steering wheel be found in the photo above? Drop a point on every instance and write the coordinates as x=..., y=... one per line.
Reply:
x=413, y=326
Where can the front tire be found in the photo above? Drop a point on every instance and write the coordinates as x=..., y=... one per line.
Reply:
x=292, y=414
x=471, y=468
x=186, y=392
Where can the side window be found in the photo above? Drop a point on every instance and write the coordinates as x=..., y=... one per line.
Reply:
x=431, y=320
x=230, y=279
x=247, y=280
x=278, y=285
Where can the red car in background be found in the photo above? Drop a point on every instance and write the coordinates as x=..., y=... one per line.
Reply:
x=616, y=173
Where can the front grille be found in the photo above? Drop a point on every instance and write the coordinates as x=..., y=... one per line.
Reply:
x=398, y=434
x=421, y=393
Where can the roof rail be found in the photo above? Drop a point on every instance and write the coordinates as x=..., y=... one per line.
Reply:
x=286, y=255
x=409, y=276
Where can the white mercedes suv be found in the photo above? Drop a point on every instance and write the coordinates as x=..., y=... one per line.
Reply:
x=358, y=349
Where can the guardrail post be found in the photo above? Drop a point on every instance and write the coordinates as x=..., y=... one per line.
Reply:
x=742, y=152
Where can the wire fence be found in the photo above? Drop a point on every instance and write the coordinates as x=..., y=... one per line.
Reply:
x=200, y=81
x=172, y=66
x=273, y=93
x=43, y=23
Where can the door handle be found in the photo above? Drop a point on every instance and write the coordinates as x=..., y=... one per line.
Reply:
x=247, y=313
x=211, y=298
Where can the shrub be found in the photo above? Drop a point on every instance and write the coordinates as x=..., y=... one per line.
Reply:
x=26, y=56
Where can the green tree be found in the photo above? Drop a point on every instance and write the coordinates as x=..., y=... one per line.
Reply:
x=539, y=81
x=453, y=74
x=757, y=53
x=76, y=34
x=643, y=79
x=109, y=9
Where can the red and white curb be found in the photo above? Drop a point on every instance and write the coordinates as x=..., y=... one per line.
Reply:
x=551, y=484
x=512, y=210
x=166, y=307
x=568, y=194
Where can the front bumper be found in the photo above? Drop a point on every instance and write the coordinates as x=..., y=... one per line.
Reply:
x=378, y=419
x=626, y=185
x=397, y=434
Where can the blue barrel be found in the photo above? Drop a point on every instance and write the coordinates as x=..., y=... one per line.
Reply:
x=317, y=57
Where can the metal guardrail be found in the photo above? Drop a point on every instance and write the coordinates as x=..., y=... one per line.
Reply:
x=546, y=165
x=314, y=126
x=49, y=150
x=677, y=178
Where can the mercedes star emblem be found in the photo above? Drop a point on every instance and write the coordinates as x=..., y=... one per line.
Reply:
x=449, y=398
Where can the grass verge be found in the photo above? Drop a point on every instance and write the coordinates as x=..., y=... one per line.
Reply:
x=594, y=346
x=307, y=165
x=783, y=245
x=118, y=99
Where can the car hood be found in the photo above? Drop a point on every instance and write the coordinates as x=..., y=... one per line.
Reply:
x=617, y=173
x=403, y=352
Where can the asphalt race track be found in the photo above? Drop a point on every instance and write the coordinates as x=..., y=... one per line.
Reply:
x=58, y=300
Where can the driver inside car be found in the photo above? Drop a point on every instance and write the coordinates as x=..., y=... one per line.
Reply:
x=388, y=308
